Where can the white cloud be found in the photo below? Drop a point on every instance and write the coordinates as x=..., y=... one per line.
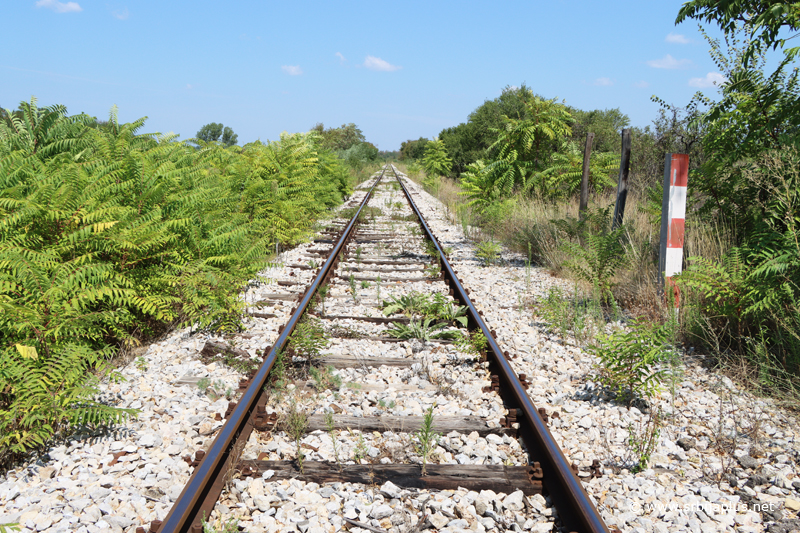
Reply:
x=292, y=70
x=641, y=84
x=669, y=62
x=60, y=7
x=340, y=56
x=189, y=86
x=376, y=63
x=603, y=82
x=712, y=79
x=121, y=14
x=676, y=38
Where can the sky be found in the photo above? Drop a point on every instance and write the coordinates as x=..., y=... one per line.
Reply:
x=398, y=70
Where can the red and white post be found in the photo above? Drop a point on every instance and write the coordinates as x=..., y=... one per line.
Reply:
x=673, y=221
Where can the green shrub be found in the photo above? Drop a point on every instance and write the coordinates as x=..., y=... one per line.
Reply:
x=488, y=252
x=634, y=363
x=108, y=236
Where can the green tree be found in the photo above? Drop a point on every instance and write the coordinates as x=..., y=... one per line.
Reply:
x=436, y=162
x=764, y=20
x=413, y=150
x=471, y=140
x=339, y=139
x=606, y=124
x=214, y=132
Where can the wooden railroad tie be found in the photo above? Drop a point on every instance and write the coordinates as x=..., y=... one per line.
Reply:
x=499, y=478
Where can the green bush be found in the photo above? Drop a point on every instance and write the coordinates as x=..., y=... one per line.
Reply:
x=108, y=235
x=634, y=363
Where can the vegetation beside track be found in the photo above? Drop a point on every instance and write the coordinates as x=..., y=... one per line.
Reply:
x=514, y=166
x=109, y=236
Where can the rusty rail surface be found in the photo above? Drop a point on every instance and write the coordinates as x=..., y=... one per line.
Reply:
x=576, y=510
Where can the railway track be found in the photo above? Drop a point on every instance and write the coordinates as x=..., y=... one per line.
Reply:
x=364, y=411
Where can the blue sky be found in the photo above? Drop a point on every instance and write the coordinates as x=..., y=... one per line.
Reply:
x=399, y=70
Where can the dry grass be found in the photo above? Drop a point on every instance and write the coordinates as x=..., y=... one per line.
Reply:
x=526, y=226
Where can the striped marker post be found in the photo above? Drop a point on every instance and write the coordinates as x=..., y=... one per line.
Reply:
x=673, y=219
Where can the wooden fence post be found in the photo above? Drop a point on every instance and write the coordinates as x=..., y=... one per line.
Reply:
x=587, y=154
x=673, y=221
x=622, y=186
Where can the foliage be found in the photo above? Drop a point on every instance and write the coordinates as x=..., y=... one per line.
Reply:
x=436, y=162
x=520, y=154
x=470, y=141
x=108, y=235
x=599, y=251
x=413, y=150
x=214, y=132
x=325, y=379
x=765, y=20
x=436, y=306
x=427, y=439
x=424, y=330
x=573, y=315
x=339, y=139
x=606, y=124
x=643, y=442
x=309, y=338
x=633, y=362
x=487, y=252
x=563, y=175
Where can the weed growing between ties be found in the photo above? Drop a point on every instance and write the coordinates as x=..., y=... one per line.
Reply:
x=319, y=297
x=424, y=330
x=474, y=343
x=218, y=526
x=295, y=423
x=308, y=339
x=436, y=306
x=215, y=389
x=325, y=379
x=427, y=439
x=334, y=436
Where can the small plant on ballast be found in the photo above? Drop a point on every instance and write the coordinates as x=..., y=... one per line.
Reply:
x=353, y=289
x=427, y=439
x=473, y=344
x=643, y=439
x=330, y=425
x=325, y=379
x=488, y=252
x=295, y=424
x=309, y=338
x=319, y=298
x=141, y=364
x=424, y=330
x=218, y=526
x=634, y=363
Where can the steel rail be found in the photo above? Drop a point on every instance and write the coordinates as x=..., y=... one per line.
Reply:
x=575, y=509
x=184, y=516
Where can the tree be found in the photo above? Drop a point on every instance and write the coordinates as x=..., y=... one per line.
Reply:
x=606, y=124
x=764, y=20
x=470, y=141
x=436, y=162
x=214, y=132
x=339, y=139
x=413, y=150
